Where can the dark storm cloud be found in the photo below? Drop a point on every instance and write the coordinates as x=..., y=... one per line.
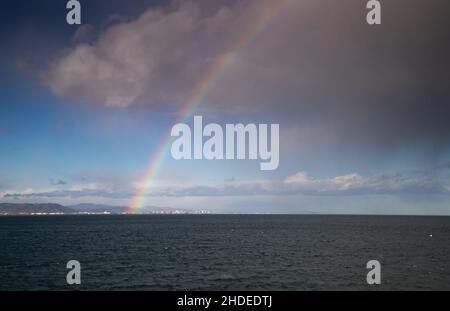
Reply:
x=335, y=77
x=318, y=68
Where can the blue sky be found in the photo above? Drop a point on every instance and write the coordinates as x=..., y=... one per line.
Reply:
x=363, y=122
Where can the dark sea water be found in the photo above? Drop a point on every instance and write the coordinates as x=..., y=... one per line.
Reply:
x=218, y=252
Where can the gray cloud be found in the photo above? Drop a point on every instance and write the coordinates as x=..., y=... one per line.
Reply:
x=155, y=59
x=57, y=182
x=70, y=194
x=84, y=34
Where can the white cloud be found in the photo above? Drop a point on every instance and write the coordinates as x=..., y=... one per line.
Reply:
x=347, y=182
x=355, y=184
x=301, y=183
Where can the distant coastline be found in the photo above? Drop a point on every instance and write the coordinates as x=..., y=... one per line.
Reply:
x=52, y=209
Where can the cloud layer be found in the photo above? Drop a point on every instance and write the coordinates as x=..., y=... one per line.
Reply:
x=435, y=180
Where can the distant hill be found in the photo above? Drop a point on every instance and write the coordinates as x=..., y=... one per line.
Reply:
x=27, y=209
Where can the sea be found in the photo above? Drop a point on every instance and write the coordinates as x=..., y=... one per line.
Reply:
x=224, y=252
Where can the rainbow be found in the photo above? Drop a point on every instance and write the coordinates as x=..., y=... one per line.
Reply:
x=201, y=90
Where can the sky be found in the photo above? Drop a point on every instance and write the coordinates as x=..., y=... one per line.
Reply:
x=86, y=110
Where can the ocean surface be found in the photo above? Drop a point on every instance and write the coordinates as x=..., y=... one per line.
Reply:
x=218, y=252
